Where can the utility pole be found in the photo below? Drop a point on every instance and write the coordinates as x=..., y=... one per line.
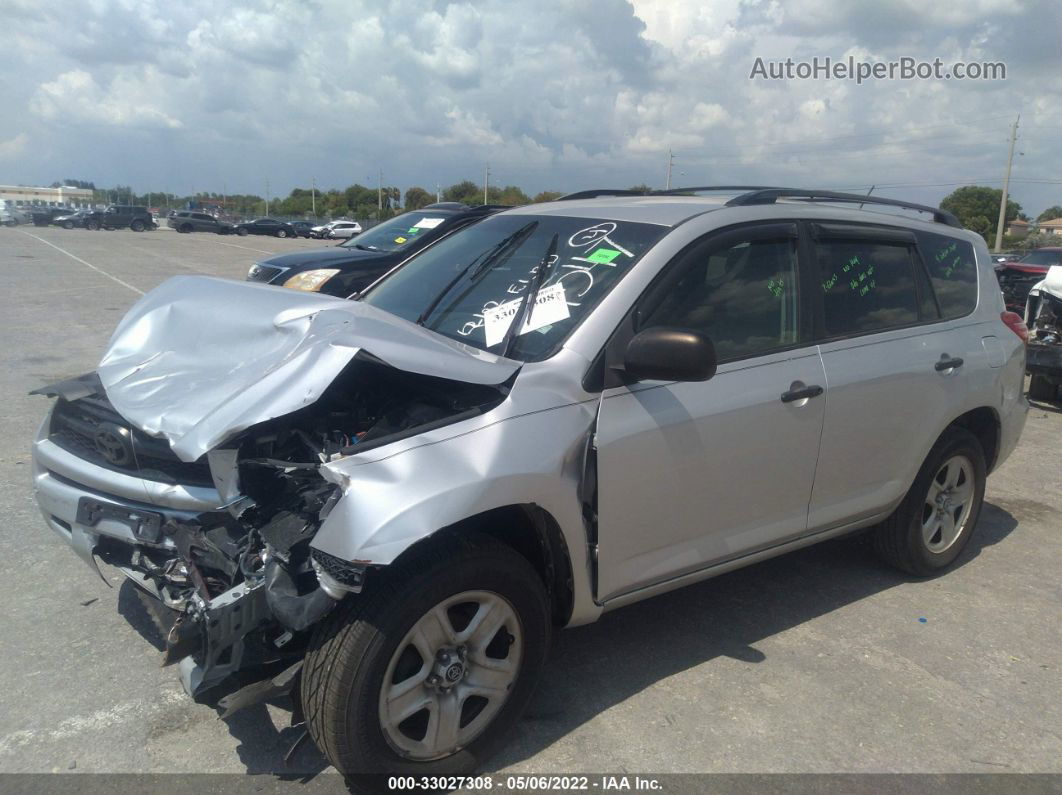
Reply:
x=486, y=181
x=1006, y=186
x=313, y=196
x=379, y=194
x=438, y=192
x=225, y=197
x=670, y=163
x=267, y=197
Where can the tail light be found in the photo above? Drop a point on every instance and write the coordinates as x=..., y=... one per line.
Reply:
x=1015, y=323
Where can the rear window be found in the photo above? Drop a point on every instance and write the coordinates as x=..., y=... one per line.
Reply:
x=867, y=286
x=952, y=272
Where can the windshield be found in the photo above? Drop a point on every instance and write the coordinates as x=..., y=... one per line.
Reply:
x=398, y=233
x=470, y=286
x=1042, y=258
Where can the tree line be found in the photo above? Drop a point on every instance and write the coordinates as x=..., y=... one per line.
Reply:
x=977, y=208
x=355, y=201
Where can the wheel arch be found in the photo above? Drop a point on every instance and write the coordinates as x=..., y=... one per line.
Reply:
x=984, y=423
x=528, y=529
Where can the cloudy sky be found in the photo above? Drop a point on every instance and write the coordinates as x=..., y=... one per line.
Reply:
x=202, y=95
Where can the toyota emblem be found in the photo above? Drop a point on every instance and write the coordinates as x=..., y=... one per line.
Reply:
x=114, y=444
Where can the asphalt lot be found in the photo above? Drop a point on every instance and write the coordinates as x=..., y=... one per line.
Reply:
x=820, y=661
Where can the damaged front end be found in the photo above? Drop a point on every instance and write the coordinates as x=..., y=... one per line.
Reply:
x=1043, y=316
x=241, y=582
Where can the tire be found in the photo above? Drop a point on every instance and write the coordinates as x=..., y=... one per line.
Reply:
x=919, y=539
x=282, y=233
x=92, y=225
x=241, y=232
x=68, y=224
x=368, y=637
x=184, y=228
x=1041, y=389
x=137, y=226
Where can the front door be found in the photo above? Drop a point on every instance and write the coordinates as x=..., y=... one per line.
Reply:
x=692, y=474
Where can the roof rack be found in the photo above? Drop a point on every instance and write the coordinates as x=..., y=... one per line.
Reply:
x=706, y=188
x=593, y=194
x=758, y=194
x=771, y=195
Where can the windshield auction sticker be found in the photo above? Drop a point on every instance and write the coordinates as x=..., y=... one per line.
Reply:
x=550, y=307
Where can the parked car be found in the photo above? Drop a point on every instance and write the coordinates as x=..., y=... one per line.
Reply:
x=347, y=229
x=192, y=221
x=1017, y=278
x=72, y=220
x=46, y=216
x=386, y=505
x=120, y=216
x=303, y=228
x=343, y=229
x=266, y=226
x=353, y=265
x=13, y=216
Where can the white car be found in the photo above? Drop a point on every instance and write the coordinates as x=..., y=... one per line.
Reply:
x=337, y=229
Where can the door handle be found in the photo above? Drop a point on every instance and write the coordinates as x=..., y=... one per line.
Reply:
x=801, y=394
x=947, y=363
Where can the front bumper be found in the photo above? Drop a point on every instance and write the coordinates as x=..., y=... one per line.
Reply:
x=61, y=480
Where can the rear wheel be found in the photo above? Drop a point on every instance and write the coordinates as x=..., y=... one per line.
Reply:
x=424, y=675
x=241, y=232
x=1041, y=389
x=185, y=228
x=937, y=517
x=137, y=226
x=92, y=225
x=68, y=224
x=282, y=233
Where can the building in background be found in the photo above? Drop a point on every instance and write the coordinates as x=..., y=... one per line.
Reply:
x=30, y=196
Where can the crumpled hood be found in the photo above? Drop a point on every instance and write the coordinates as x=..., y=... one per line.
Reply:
x=199, y=359
x=1052, y=284
x=326, y=256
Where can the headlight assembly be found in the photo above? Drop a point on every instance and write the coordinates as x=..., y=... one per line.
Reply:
x=311, y=281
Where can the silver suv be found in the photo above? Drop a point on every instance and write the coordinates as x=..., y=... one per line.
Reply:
x=384, y=505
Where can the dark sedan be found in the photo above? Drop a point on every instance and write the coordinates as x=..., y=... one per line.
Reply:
x=354, y=264
x=72, y=220
x=266, y=226
x=303, y=228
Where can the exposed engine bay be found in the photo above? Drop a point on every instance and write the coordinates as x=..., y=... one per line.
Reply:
x=241, y=583
x=1043, y=316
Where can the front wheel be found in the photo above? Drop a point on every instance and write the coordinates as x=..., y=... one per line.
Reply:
x=937, y=517
x=92, y=225
x=68, y=224
x=137, y=226
x=281, y=233
x=241, y=232
x=425, y=673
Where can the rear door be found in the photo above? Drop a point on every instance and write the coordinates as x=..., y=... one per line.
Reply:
x=692, y=474
x=896, y=369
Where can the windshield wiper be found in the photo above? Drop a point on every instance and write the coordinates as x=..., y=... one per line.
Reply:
x=480, y=265
x=529, y=298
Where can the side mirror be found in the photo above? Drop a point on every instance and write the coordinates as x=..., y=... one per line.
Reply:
x=669, y=354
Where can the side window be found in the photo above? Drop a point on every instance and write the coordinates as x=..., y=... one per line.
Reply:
x=741, y=293
x=866, y=285
x=952, y=271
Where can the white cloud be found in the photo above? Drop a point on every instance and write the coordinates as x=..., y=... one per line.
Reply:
x=552, y=94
